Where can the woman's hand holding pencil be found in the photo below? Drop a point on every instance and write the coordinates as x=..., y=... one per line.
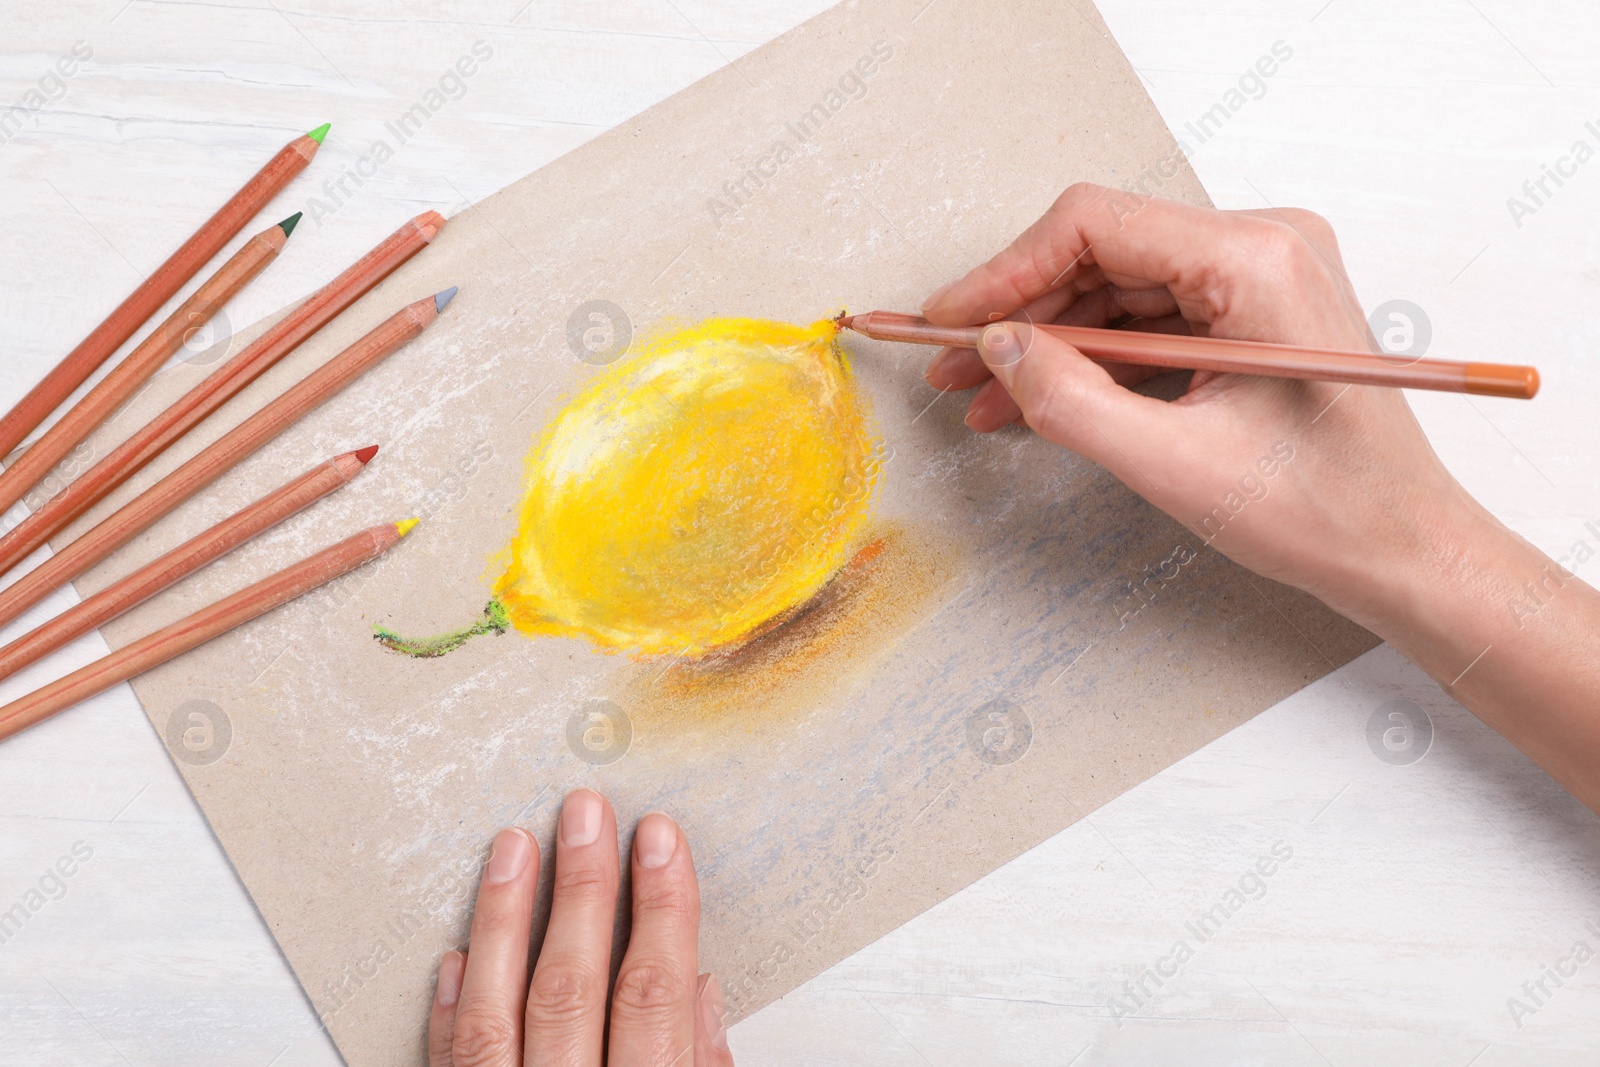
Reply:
x=1258, y=467
x=1331, y=488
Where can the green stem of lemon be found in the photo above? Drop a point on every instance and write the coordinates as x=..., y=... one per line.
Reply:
x=494, y=621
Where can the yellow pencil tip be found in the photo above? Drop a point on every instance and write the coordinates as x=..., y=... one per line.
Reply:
x=404, y=525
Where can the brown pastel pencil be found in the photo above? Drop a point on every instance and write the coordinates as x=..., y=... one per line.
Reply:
x=122, y=462
x=1181, y=351
x=278, y=415
x=147, y=358
x=213, y=543
x=215, y=620
x=157, y=289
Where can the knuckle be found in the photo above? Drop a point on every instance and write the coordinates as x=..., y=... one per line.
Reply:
x=1266, y=257
x=1044, y=268
x=484, y=1037
x=673, y=901
x=1313, y=225
x=563, y=993
x=584, y=883
x=1078, y=196
x=440, y=1041
x=1285, y=253
x=491, y=923
x=1307, y=242
x=648, y=989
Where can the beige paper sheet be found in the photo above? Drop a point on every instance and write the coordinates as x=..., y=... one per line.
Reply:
x=994, y=676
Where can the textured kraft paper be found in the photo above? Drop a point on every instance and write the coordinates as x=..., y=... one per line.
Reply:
x=1032, y=640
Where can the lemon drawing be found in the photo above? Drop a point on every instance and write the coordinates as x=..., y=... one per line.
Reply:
x=690, y=497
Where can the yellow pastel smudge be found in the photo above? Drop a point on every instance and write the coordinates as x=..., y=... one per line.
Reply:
x=694, y=494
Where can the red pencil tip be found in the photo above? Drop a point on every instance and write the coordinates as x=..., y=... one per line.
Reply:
x=365, y=454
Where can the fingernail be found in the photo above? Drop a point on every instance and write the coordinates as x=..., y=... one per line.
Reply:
x=580, y=818
x=997, y=341
x=451, y=967
x=977, y=404
x=712, y=1013
x=510, y=856
x=655, y=841
x=937, y=365
x=933, y=297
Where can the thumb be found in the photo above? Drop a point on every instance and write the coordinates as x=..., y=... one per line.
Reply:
x=1070, y=400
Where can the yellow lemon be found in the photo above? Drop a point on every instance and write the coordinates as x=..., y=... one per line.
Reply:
x=694, y=493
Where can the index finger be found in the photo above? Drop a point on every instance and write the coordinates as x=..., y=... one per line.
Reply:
x=1134, y=241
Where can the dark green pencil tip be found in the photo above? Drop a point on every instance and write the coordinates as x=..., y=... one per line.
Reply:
x=288, y=224
x=320, y=132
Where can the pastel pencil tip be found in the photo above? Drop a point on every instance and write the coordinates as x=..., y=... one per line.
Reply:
x=404, y=526
x=441, y=299
x=429, y=223
x=320, y=132
x=288, y=224
x=365, y=454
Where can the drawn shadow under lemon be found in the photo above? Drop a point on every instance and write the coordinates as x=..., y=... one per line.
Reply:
x=809, y=658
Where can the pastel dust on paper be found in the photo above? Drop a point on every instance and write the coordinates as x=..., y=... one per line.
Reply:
x=694, y=500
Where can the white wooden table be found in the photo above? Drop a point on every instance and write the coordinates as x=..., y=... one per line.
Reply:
x=1419, y=896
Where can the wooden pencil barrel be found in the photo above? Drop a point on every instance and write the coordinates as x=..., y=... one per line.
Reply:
x=220, y=386
x=133, y=590
x=282, y=412
x=1182, y=351
x=195, y=630
x=154, y=291
x=137, y=367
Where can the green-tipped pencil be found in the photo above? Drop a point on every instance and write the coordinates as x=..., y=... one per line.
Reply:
x=162, y=284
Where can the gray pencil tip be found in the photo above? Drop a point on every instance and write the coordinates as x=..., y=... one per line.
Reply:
x=441, y=299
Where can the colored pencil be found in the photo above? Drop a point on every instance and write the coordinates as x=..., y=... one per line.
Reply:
x=216, y=389
x=282, y=412
x=147, y=358
x=157, y=289
x=174, y=566
x=1234, y=357
x=205, y=624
